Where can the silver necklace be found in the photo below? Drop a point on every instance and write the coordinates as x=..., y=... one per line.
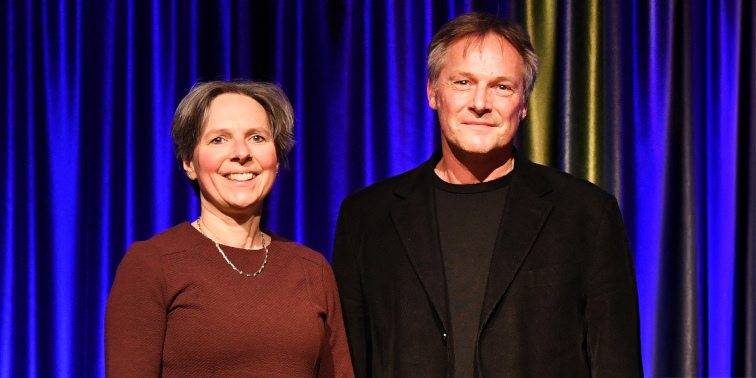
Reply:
x=229, y=261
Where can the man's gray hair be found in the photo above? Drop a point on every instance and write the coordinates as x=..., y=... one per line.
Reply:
x=478, y=25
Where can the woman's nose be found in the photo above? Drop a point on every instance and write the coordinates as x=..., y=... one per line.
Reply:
x=241, y=151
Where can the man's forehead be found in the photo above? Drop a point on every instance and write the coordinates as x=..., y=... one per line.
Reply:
x=511, y=66
x=475, y=42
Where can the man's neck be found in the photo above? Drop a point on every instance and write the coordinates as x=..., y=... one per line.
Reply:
x=462, y=168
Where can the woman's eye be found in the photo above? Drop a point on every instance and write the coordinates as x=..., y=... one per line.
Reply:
x=258, y=138
x=217, y=140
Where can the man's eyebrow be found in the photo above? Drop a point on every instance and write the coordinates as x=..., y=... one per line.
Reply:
x=496, y=79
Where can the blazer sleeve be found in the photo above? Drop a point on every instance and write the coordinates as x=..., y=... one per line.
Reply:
x=613, y=325
x=135, y=316
x=345, y=263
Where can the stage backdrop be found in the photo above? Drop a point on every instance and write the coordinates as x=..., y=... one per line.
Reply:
x=651, y=99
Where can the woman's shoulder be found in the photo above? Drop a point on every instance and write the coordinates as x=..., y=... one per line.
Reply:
x=315, y=269
x=298, y=251
x=177, y=238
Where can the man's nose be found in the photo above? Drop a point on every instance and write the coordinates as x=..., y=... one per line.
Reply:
x=480, y=102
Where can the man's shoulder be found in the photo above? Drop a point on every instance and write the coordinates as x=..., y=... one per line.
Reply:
x=562, y=185
x=389, y=188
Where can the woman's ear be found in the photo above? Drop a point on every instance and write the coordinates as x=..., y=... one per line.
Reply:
x=189, y=169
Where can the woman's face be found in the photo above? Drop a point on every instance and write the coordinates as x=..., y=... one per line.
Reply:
x=235, y=161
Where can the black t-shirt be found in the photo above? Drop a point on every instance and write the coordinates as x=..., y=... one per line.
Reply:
x=469, y=217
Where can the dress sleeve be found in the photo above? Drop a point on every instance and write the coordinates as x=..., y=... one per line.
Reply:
x=135, y=317
x=347, y=273
x=335, y=363
x=613, y=325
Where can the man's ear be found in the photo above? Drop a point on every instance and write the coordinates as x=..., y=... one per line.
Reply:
x=431, y=95
x=523, y=111
x=189, y=169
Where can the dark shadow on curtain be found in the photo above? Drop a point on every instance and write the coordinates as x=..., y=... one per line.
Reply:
x=744, y=343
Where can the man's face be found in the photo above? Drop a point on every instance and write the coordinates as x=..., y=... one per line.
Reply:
x=479, y=95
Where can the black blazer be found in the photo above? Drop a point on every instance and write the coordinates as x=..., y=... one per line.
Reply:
x=561, y=298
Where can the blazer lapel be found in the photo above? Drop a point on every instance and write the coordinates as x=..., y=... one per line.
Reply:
x=415, y=221
x=524, y=215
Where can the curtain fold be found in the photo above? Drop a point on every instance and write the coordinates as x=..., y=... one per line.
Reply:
x=744, y=345
x=653, y=100
x=536, y=134
x=678, y=349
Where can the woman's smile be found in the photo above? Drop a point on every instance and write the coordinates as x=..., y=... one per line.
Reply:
x=241, y=176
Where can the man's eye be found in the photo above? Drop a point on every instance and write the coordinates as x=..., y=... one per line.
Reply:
x=463, y=82
x=505, y=89
x=258, y=138
x=217, y=140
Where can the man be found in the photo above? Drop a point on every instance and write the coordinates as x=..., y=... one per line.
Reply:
x=480, y=262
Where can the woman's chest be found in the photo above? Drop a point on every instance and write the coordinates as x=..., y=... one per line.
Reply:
x=226, y=322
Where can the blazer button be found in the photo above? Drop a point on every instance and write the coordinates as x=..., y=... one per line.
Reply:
x=444, y=337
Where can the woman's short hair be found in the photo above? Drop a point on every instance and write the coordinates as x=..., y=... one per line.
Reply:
x=191, y=114
x=478, y=25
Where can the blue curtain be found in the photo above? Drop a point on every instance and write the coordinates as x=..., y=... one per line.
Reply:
x=655, y=100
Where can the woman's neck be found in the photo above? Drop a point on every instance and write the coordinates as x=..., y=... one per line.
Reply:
x=234, y=231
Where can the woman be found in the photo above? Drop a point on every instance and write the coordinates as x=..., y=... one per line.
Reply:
x=219, y=296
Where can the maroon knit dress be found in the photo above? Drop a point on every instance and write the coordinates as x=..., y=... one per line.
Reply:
x=177, y=309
